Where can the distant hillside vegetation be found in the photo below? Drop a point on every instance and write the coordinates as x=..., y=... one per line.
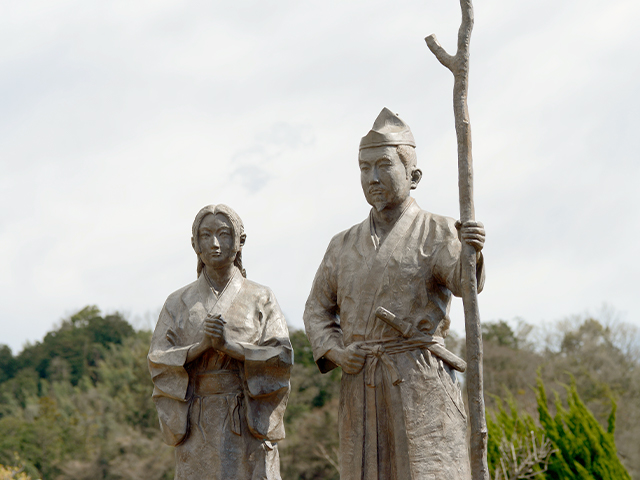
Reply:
x=77, y=405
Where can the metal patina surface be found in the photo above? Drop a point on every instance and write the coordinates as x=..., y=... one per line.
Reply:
x=220, y=360
x=401, y=410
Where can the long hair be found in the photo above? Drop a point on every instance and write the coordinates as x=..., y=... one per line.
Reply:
x=236, y=224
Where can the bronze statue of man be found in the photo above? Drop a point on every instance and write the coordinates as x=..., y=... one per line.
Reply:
x=401, y=409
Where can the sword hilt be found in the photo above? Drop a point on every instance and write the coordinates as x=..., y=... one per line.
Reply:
x=408, y=330
x=404, y=327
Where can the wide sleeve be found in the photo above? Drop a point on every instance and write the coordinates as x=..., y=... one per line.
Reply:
x=447, y=267
x=321, y=320
x=267, y=369
x=166, y=360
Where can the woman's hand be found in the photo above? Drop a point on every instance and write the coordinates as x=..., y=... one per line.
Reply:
x=214, y=331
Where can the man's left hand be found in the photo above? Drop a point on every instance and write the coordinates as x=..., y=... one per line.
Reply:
x=472, y=233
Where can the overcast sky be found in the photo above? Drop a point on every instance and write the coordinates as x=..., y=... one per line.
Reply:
x=119, y=120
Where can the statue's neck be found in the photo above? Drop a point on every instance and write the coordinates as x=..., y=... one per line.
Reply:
x=385, y=219
x=220, y=277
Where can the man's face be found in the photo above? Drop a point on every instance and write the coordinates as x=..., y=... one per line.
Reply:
x=216, y=241
x=384, y=178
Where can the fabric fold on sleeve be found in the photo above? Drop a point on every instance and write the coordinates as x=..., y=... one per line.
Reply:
x=447, y=267
x=267, y=369
x=321, y=311
x=170, y=381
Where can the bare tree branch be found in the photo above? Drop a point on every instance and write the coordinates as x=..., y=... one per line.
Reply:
x=321, y=450
x=520, y=462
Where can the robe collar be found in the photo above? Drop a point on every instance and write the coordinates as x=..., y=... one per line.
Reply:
x=375, y=238
x=201, y=296
x=366, y=243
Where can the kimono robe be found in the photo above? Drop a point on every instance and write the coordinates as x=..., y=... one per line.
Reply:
x=223, y=415
x=407, y=420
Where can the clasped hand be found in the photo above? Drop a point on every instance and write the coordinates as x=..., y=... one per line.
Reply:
x=214, y=331
x=351, y=359
x=472, y=233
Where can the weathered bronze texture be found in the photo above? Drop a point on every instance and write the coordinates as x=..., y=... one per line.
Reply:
x=401, y=410
x=220, y=360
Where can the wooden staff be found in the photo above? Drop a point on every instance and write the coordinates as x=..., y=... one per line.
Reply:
x=459, y=66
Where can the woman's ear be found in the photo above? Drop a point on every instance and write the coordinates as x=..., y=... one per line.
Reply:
x=243, y=237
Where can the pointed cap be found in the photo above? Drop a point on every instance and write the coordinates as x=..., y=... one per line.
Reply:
x=388, y=129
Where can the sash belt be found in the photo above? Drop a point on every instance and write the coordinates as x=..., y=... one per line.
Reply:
x=215, y=383
x=380, y=350
x=222, y=382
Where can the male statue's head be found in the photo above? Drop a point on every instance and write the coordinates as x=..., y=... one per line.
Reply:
x=388, y=162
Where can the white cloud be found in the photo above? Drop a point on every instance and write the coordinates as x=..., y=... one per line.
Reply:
x=120, y=120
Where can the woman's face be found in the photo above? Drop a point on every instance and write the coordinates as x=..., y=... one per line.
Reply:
x=217, y=241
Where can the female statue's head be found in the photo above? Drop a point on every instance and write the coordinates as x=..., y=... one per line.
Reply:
x=234, y=222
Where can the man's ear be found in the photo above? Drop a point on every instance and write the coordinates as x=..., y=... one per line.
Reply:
x=193, y=244
x=416, y=176
x=243, y=237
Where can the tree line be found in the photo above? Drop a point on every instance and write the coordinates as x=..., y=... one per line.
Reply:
x=77, y=405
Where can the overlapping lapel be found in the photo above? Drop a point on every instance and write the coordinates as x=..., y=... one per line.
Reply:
x=373, y=282
x=201, y=301
x=227, y=296
x=365, y=247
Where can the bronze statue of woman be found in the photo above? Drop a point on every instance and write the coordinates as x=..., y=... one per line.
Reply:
x=220, y=360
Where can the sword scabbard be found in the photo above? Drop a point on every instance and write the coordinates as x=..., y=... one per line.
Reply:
x=408, y=330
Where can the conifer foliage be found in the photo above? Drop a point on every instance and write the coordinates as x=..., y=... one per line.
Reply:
x=584, y=449
x=568, y=445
